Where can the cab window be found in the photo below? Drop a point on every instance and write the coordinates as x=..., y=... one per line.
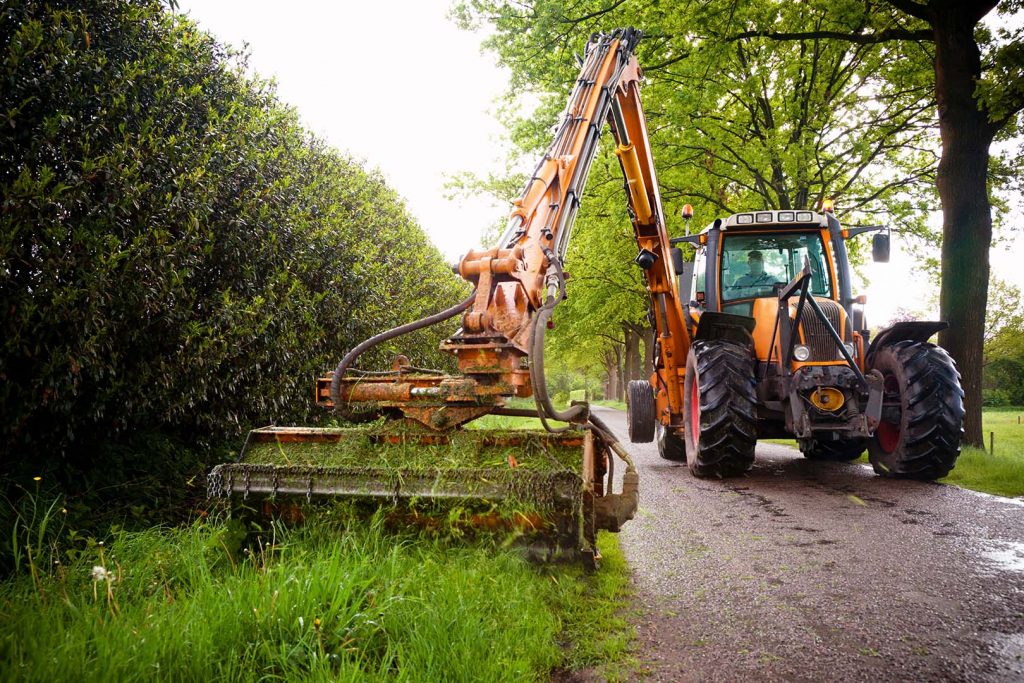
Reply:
x=752, y=265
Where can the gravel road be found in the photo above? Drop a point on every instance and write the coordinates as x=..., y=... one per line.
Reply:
x=808, y=571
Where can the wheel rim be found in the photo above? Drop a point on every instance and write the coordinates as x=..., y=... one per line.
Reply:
x=888, y=431
x=694, y=413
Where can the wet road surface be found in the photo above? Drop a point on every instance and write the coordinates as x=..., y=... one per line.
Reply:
x=808, y=571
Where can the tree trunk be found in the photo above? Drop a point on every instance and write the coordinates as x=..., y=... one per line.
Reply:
x=611, y=367
x=632, y=356
x=621, y=367
x=648, y=351
x=966, y=213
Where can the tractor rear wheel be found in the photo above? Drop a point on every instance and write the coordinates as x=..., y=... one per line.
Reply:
x=671, y=446
x=718, y=409
x=835, y=450
x=640, y=408
x=922, y=412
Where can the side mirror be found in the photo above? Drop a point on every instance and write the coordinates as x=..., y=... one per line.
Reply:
x=880, y=248
x=677, y=260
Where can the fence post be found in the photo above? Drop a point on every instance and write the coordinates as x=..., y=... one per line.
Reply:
x=991, y=443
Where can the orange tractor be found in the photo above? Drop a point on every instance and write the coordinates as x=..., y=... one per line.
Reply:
x=782, y=350
x=758, y=364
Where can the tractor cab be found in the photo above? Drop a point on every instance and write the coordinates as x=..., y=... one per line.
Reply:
x=742, y=263
x=755, y=266
x=748, y=256
x=781, y=349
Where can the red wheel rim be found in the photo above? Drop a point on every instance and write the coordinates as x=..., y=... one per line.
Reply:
x=888, y=433
x=694, y=413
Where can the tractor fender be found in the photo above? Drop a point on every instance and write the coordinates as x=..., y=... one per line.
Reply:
x=911, y=330
x=714, y=326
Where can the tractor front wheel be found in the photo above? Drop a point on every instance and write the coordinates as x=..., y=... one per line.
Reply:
x=719, y=409
x=922, y=412
x=640, y=411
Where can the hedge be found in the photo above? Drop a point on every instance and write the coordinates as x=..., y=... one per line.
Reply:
x=179, y=254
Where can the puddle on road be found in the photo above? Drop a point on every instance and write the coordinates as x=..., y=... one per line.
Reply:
x=1005, y=555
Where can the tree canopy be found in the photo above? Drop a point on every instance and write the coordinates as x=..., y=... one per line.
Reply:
x=779, y=105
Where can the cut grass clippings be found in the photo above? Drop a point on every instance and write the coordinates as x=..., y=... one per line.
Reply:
x=336, y=599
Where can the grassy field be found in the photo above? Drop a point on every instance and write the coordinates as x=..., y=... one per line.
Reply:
x=1001, y=473
x=337, y=599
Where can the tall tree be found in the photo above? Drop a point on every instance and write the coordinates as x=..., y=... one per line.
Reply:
x=979, y=92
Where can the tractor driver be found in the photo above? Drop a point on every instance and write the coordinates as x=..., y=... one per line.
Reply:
x=756, y=280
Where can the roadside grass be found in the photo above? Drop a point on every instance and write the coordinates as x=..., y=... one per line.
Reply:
x=1001, y=474
x=509, y=422
x=339, y=598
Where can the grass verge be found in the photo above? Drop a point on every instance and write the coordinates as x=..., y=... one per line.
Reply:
x=339, y=599
x=1001, y=473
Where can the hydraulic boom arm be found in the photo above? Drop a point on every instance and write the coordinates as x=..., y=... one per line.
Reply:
x=518, y=282
x=521, y=277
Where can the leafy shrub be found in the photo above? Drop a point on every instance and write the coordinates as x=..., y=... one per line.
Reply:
x=1004, y=381
x=995, y=398
x=178, y=253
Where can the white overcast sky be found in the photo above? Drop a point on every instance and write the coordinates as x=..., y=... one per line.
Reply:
x=397, y=85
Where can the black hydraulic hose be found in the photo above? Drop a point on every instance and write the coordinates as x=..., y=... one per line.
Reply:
x=606, y=433
x=351, y=356
x=540, y=390
x=545, y=408
x=515, y=412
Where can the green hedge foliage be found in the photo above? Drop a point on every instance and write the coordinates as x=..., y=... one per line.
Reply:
x=179, y=254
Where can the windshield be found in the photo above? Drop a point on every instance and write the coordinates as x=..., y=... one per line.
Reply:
x=753, y=264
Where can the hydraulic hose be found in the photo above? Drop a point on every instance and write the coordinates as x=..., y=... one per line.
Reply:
x=351, y=356
x=540, y=389
x=545, y=408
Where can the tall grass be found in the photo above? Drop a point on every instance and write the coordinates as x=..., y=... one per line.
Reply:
x=33, y=524
x=337, y=599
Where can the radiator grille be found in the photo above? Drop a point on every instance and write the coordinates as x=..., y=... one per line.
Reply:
x=816, y=336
